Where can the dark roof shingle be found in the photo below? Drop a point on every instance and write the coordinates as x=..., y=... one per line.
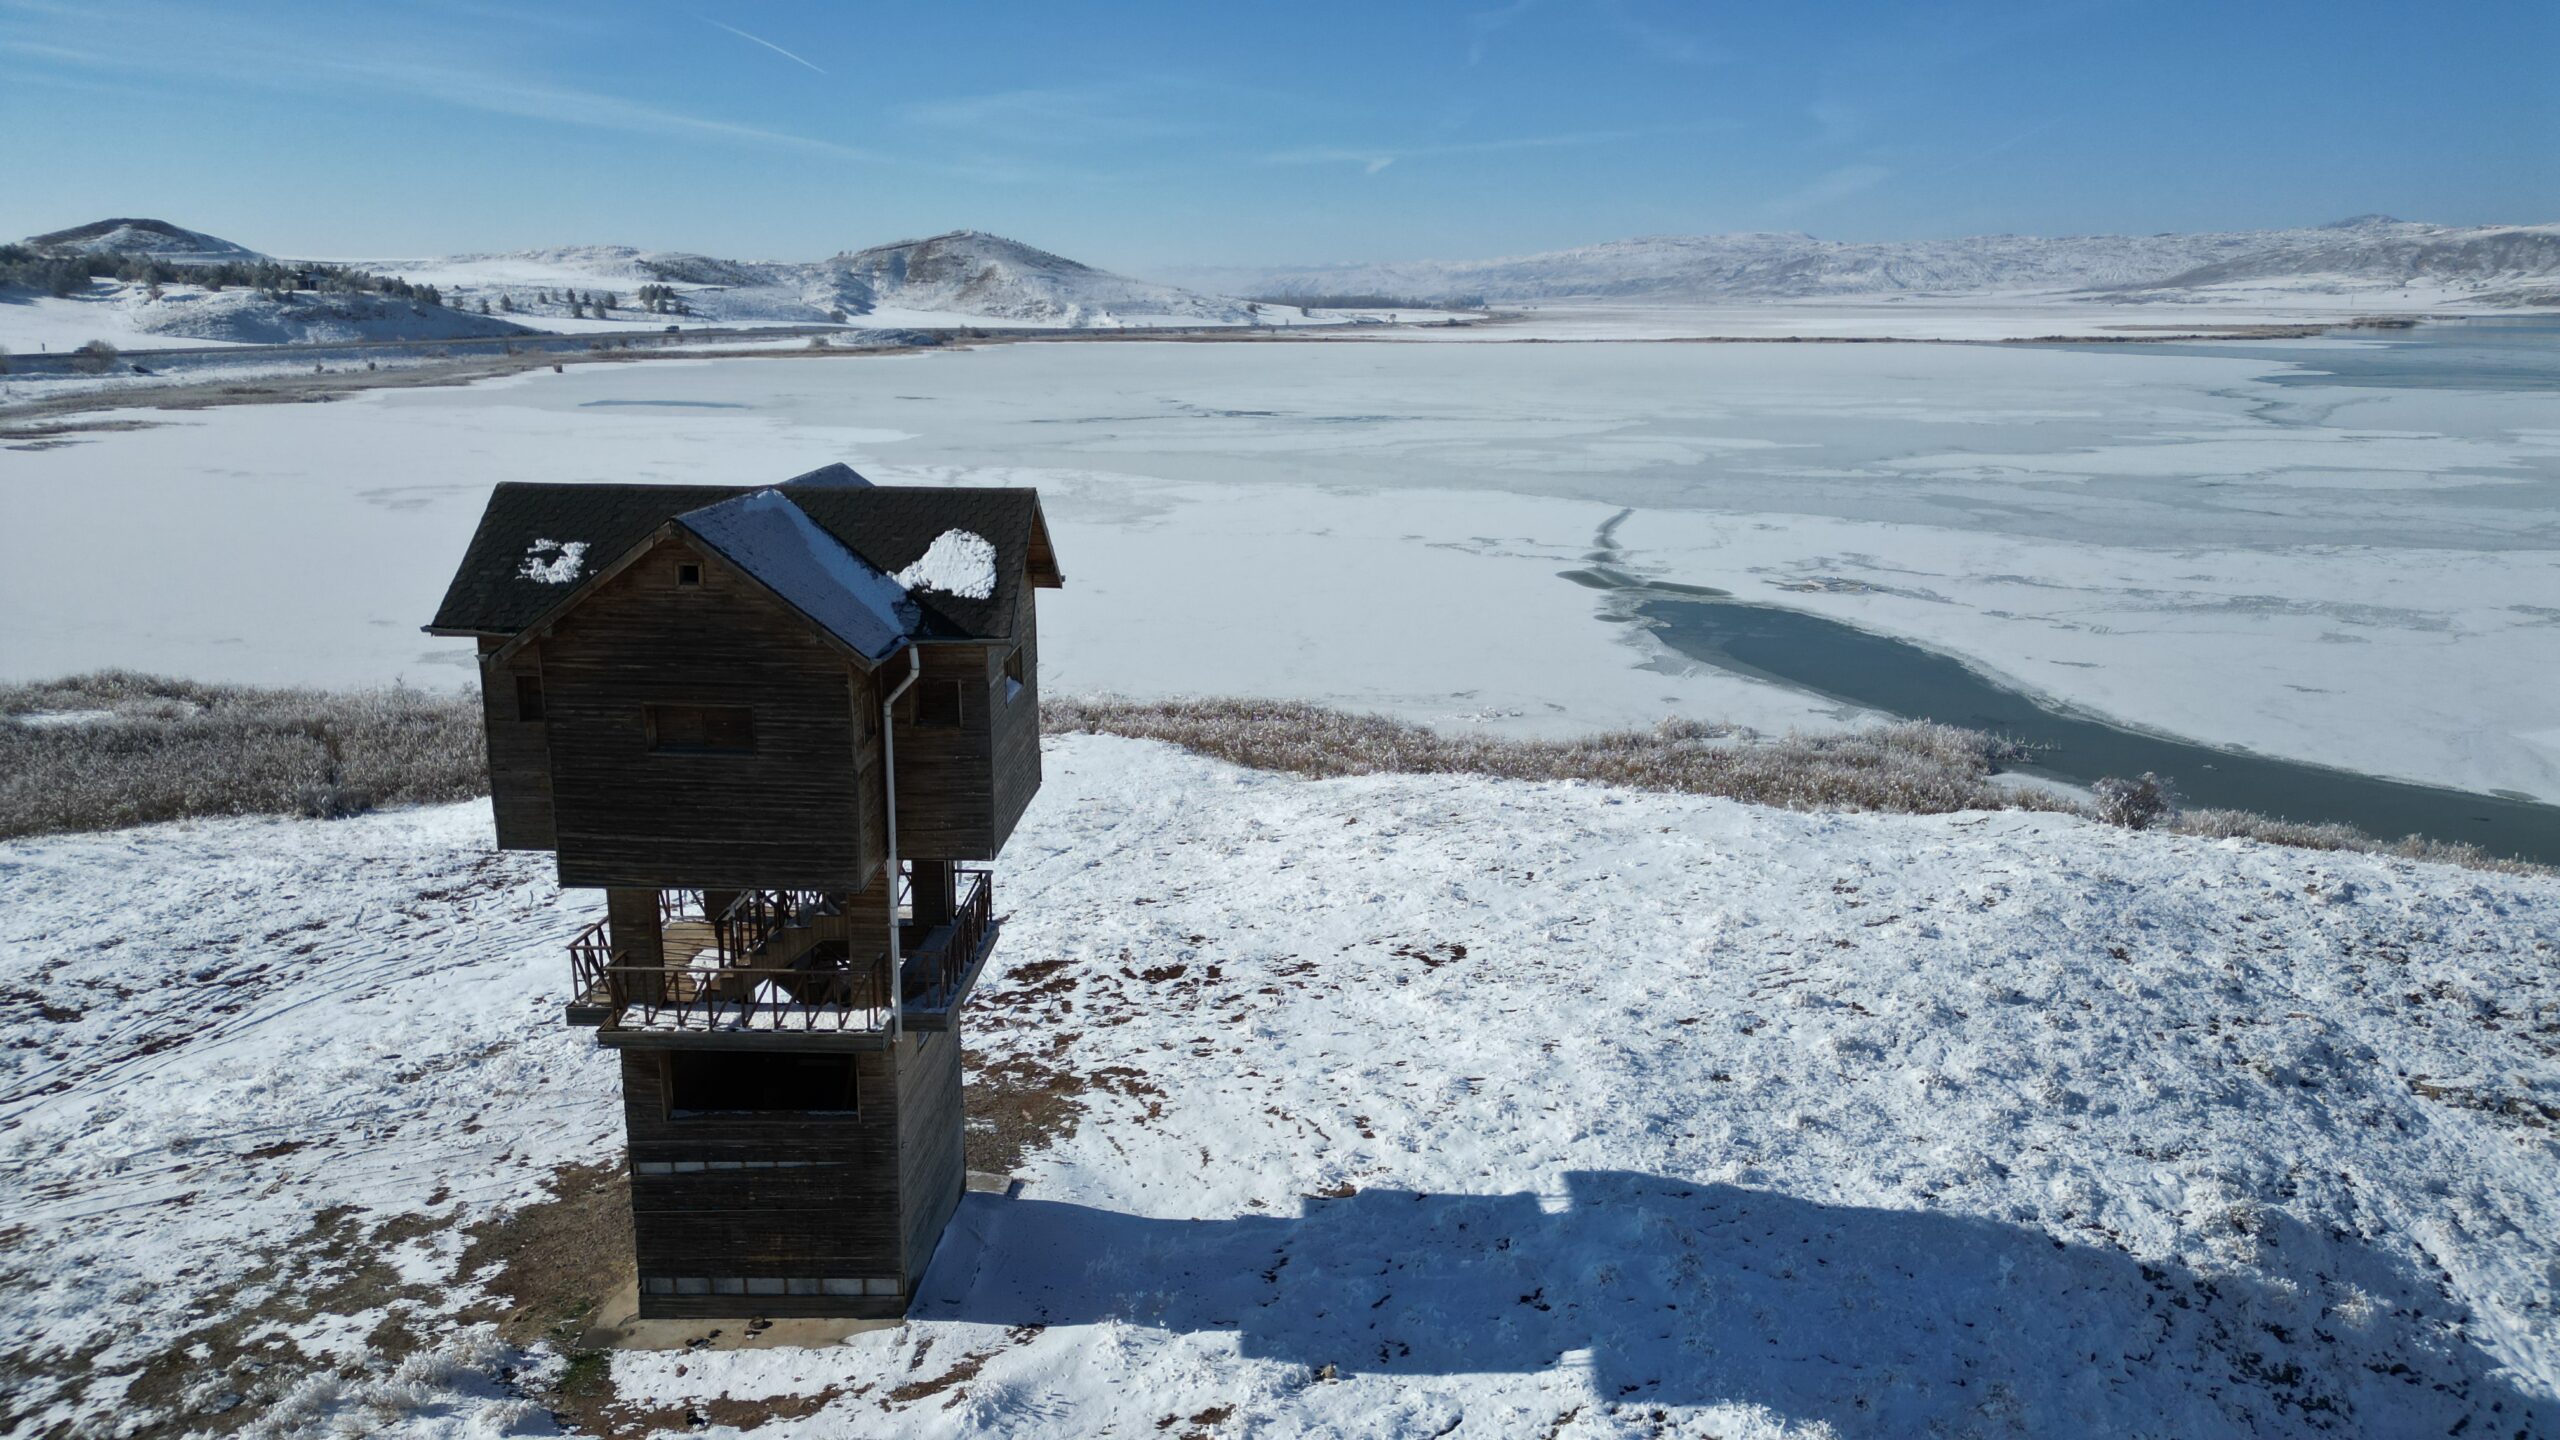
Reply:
x=494, y=592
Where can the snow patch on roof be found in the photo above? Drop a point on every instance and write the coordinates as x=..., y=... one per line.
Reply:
x=958, y=562
x=553, y=562
x=770, y=538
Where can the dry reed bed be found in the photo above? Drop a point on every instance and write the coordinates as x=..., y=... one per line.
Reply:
x=1913, y=767
x=154, y=748
x=145, y=747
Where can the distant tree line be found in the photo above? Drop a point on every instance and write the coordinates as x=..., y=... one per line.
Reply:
x=69, y=272
x=1373, y=302
x=63, y=272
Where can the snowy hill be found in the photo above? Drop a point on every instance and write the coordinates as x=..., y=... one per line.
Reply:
x=962, y=277
x=155, y=238
x=1384, y=1106
x=2372, y=251
x=974, y=273
x=245, y=317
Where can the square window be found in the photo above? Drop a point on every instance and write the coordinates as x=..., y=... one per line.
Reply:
x=689, y=573
x=712, y=1082
x=937, y=703
x=700, y=729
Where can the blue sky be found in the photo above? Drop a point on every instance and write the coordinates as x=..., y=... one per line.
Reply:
x=1144, y=135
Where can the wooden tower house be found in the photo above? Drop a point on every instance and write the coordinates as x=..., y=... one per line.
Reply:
x=775, y=726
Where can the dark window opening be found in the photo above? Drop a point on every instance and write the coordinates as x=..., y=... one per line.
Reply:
x=712, y=1081
x=528, y=697
x=1013, y=681
x=688, y=574
x=937, y=702
x=700, y=729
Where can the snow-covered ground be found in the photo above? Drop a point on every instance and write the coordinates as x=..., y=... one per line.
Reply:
x=2360, y=575
x=186, y=316
x=1442, y=1106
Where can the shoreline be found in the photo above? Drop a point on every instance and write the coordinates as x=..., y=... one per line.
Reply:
x=35, y=423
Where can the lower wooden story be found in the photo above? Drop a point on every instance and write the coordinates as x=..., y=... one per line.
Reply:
x=776, y=1185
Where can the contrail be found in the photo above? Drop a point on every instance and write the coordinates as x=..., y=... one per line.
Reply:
x=760, y=40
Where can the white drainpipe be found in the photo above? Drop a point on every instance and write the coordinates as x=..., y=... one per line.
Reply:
x=889, y=773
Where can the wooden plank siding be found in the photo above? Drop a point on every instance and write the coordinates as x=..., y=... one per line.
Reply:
x=519, y=751
x=931, y=1170
x=945, y=797
x=1015, y=747
x=820, y=1201
x=785, y=814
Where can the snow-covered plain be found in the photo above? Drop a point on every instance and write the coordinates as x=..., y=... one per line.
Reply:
x=2212, y=312
x=2365, y=576
x=2373, y=255
x=1441, y=1106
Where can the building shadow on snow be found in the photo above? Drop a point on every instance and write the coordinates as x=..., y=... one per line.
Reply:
x=1875, y=1322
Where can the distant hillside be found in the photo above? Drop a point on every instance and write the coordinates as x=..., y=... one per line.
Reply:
x=980, y=274
x=156, y=238
x=250, y=317
x=2368, y=252
x=967, y=276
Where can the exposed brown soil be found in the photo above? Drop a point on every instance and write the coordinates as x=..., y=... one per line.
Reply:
x=551, y=1265
x=216, y=1378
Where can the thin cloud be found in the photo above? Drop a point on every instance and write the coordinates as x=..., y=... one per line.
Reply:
x=759, y=40
x=1373, y=158
x=1049, y=117
x=1482, y=25
x=1834, y=186
x=1836, y=122
x=493, y=94
x=1659, y=41
x=578, y=107
x=1977, y=157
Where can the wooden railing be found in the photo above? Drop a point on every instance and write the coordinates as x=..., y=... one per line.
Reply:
x=827, y=995
x=821, y=991
x=756, y=916
x=931, y=976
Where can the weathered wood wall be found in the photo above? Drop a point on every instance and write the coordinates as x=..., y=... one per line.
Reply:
x=519, y=751
x=785, y=814
x=945, y=793
x=1016, y=726
x=763, y=1199
x=931, y=1171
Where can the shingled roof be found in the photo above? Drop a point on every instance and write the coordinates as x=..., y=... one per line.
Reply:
x=521, y=563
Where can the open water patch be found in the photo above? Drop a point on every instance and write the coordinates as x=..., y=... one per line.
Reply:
x=2497, y=353
x=1851, y=666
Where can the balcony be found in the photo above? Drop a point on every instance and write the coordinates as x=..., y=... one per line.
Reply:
x=783, y=967
x=943, y=957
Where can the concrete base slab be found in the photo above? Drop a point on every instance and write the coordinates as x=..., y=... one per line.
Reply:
x=620, y=1326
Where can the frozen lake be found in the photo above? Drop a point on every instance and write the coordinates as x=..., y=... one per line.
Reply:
x=2341, y=551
